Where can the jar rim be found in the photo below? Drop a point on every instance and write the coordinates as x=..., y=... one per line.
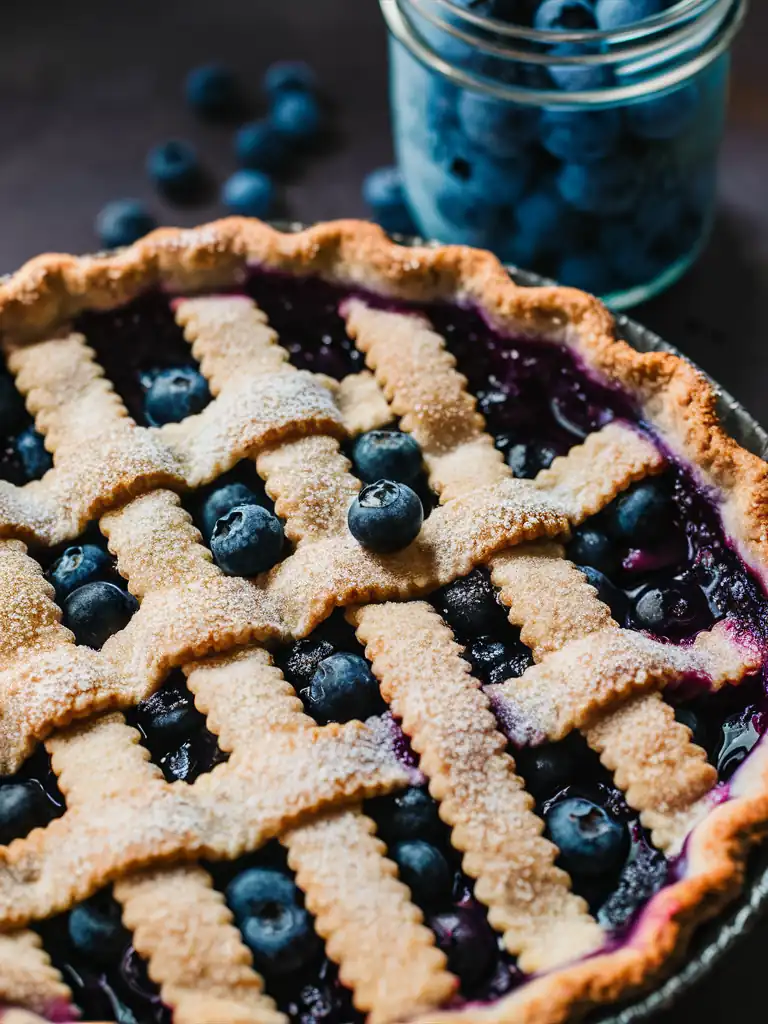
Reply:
x=679, y=13
x=714, y=28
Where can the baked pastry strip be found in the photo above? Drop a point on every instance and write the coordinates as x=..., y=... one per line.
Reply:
x=447, y=717
x=399, y=349
x=372, y=930
x=29, y=979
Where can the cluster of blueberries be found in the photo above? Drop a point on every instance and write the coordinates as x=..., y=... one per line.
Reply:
x=296, y=120
x=603, y=198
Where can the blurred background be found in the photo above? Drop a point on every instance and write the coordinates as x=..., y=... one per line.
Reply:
x=87, y=88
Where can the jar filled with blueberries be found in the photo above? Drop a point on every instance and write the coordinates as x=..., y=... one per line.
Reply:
x=576, y=138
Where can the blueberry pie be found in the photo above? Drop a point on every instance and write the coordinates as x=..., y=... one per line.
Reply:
x=379, y=639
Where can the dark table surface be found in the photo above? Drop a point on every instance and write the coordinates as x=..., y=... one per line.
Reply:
x=86, y=87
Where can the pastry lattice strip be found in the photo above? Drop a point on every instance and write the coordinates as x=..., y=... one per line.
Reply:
x=401, y=348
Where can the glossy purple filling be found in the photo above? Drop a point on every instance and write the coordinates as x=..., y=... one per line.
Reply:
x=529, y=393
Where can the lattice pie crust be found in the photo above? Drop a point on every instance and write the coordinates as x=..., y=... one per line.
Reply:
x=287, y=777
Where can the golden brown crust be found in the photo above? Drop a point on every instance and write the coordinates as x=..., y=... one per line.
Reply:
x=38, y=301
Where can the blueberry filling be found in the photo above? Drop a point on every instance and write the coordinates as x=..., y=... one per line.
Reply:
x=330, y=674
x=23, y=455
x=175, y=732
x=30, y=798
x=237, y=521
x=94, y=598
x=268, y=908
x=143, y=352
x=108, y=978
x=420, y=844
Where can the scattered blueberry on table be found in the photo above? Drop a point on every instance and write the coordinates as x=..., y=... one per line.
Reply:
x=123, y=222
x=259, y=147
x=249, y=193
x=175, y=169
x=213, y=91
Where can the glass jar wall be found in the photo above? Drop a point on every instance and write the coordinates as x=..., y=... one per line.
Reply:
x=586, y=154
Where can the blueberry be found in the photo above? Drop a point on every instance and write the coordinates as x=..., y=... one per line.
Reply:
x=300, y=662
x=35, y=458
x=591, y=842
x=607, y=592
x=412, y=814
x=289, y=76
x=469, y=605
x=671, y=610
x=590, y=546
x=604, y=187
x=643, y=514
x=588, y=270
x=697, y=725
x=541, y=217
x=168, y=716
x=386, y=516
x=342, y=688
x=612, y=14
x=297, y=117
x=248, y=193
x=259, y=147
x=564, y=16
x=495, y=661
x=468, y=942
x=665, y=116
x=247, y=540
x=79, y=564
x=175, y=394
x=500, y=129
x=221, y=501
x=384, y=192
x=580, y=136
x=12, y=412
x=96, y=931
x=473, y=220
x=424, y=870
x=387, y=454
x=580, y=75
x=527, y=460
x=551, y=766
x=213, y=92
x=97, y=610
x=175, y=169
x=22, y=808
x=276, y=927
x=123, y=222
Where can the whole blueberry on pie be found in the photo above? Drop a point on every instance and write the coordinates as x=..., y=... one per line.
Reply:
x=379, y=639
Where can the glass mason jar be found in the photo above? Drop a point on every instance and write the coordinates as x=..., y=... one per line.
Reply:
x=587, y=155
